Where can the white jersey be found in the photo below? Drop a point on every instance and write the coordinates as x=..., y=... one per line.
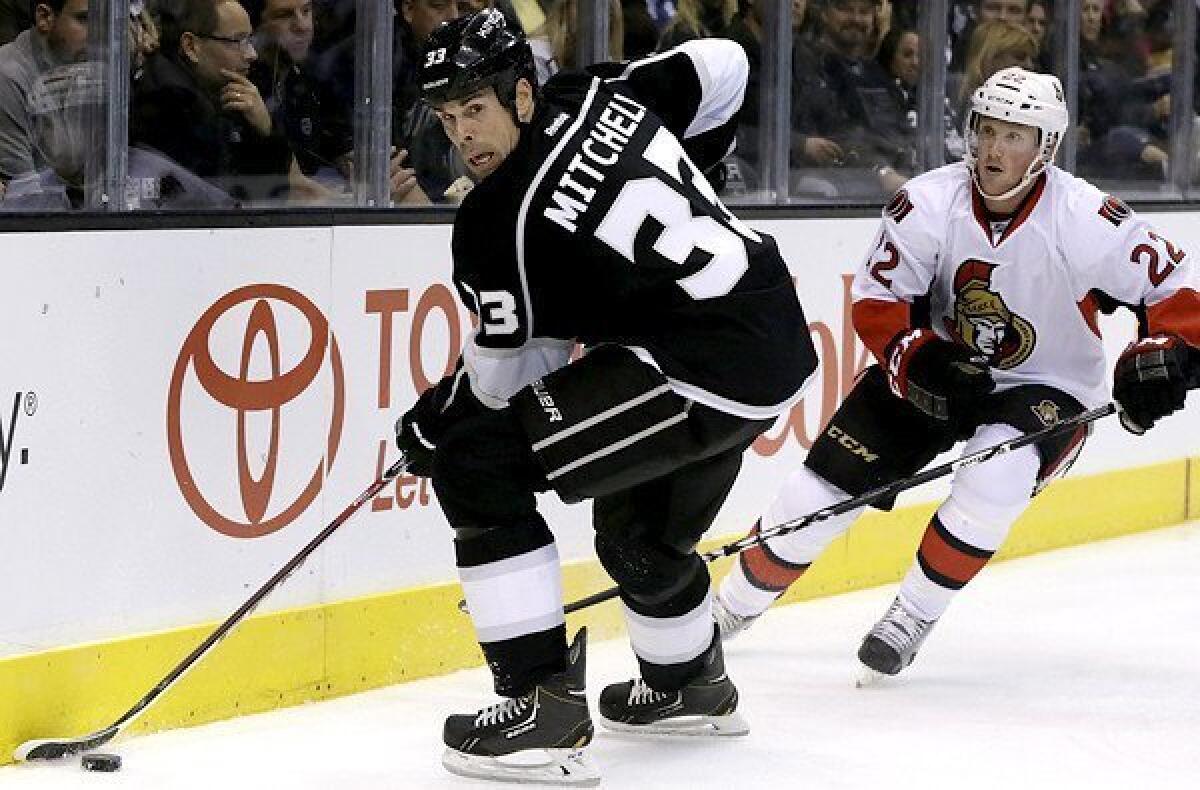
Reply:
x=1022, y=291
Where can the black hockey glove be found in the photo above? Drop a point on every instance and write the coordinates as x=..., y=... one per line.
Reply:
x=942, y=379
x=439, y=407
x=412, y=441
x=1150, y=381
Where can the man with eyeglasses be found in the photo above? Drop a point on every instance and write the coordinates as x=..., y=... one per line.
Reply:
x=196, y=104
x=59, y=35
x=299, y=99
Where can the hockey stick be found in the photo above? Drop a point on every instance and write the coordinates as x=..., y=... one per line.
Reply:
x=52, y=748
x=876, y=494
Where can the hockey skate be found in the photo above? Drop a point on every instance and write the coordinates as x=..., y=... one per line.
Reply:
x=729, y=622
x=537, y=738
x=893, y=643
x=706, y=706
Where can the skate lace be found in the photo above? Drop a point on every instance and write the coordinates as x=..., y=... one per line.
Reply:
x=502, y=712
x=900, y=628
x=641, y=694
x=730, y=622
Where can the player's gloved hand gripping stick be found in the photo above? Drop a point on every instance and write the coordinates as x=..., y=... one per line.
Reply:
x=51, y=748
x=1192, y=377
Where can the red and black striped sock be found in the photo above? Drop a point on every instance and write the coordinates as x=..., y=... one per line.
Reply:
x=948, y=561
x=766, y=570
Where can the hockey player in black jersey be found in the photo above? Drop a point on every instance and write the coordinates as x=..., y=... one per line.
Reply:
x=591, y=222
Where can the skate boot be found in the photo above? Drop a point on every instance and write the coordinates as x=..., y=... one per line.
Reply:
x=893, y=643
x=706, y=706
x=729, y=622
x=537, y=738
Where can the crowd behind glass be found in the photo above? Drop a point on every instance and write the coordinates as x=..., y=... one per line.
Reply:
x=255, y=103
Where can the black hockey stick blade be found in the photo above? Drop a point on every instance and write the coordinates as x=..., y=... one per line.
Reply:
x=54, y=748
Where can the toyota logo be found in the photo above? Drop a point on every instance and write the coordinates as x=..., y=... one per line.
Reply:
x=244, y=395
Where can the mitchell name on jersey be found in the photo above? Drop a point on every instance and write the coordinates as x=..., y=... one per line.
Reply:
x=601, y=149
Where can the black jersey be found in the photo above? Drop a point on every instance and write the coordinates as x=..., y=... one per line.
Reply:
x=600, y=228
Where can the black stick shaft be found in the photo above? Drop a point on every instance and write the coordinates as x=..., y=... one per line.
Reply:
x=58, y=748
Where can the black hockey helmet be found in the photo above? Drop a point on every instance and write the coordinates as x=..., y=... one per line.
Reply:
x=473, y=52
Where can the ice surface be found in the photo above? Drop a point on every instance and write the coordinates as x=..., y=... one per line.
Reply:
x=1067, y=670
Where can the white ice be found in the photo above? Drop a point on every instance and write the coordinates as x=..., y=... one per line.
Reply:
x=1075, y=669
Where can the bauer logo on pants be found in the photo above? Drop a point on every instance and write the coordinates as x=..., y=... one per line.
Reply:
x=255, y=410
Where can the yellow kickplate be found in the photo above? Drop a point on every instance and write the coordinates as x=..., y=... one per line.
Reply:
x=300, y=655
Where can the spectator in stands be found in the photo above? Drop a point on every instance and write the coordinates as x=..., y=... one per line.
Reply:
x=317, y=130
x=59, y=100
x=841, y=95
x=802, y=21
x=968, y=16
x=697, y=19
x=1123, y=112
x=196, y=104
x=556, y=45
x=899, y=57
x=807, y=146
x=905, y=14
x=15, y=16
x=642, y=27
x=143, y=36
x=1127, y=32
x=59, y=35
x=416, y=131
x=995, y=45
x=1037, y=21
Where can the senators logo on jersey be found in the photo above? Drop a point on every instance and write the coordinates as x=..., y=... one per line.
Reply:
x=984, y=322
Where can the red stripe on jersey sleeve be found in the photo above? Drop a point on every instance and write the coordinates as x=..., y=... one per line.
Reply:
x=1178, y=314
x=1089, y=307
x=878, y=321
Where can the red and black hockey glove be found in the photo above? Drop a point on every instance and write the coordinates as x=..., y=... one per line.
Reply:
x=942, y=379
x=1150, y=381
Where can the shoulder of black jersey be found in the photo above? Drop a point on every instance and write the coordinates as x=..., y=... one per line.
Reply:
x=566, y=87
x=666, y=83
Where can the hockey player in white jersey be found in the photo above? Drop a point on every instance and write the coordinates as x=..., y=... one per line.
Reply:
x=979, y=299
x=591, y=222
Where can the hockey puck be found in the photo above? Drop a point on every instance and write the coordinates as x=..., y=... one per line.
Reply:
x=104, y=763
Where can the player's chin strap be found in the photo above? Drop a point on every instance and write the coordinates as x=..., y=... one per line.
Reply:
x=52, y=748
x=1026, y=180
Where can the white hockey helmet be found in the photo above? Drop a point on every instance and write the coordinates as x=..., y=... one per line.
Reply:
x=1025, y=97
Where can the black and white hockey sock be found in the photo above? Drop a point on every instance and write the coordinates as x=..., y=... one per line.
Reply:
x=671, y=638
x=513, y=585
